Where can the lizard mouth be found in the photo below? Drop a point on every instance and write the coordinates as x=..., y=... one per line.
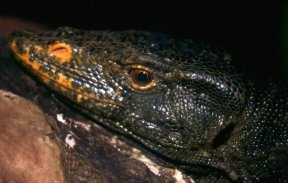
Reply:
x=59, y=82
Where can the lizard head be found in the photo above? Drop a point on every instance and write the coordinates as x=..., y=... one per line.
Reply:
x=173, y=96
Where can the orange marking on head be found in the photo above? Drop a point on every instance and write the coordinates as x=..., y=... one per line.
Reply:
x=24, y=58
x=64, y=81
x=61, y=51
x=64, y=84
x=38, y=48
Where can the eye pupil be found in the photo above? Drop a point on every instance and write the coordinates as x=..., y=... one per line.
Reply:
x=141, y=77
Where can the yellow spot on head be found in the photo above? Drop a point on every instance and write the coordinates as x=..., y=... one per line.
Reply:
x=64, y=81
x=25, y=58
x=38, y=48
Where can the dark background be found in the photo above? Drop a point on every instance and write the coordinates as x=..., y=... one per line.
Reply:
x=251, y=31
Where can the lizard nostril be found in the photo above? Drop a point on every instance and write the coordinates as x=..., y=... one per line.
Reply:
x=61, y=51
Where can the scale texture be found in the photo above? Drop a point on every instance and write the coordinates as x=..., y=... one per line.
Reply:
x=182, y=100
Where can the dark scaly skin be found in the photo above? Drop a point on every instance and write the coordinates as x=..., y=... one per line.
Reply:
x=182, y=100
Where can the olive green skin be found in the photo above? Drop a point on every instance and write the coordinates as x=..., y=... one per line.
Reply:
x=199, y=115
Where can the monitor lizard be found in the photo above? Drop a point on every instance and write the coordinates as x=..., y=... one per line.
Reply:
x=180, y=99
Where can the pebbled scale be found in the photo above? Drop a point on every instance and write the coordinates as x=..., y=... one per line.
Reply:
x=180, y=99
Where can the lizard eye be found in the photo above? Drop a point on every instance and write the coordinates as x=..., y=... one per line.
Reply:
x=142, y=79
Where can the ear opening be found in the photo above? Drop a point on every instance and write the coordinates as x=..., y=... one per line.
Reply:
x=223, y=136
